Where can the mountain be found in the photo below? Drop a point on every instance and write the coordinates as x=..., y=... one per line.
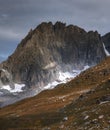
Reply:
x=82, y=103
x=50, y=49
x=106, y=41
x=48, y=57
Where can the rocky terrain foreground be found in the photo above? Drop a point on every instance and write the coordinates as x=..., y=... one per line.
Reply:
x=81, y=104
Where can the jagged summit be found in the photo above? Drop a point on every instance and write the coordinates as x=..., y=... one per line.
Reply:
x=48, y=27
x=48, y=49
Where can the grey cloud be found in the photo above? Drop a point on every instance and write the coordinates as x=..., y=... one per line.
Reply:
x=18, y=16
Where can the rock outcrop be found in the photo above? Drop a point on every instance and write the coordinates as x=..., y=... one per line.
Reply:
x=50, y=48
x=5, y=78
x=106, y=40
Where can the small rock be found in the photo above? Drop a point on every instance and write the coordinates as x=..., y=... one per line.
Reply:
x=94, y=121
x=101, y=116
x=62, y=126
x=65, y=118
x=87, y=123
x=109, y=122
x=86, y=117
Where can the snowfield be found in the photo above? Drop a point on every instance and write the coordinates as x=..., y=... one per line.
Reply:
x=106, y=52
x=18, y=88
x=65, y=77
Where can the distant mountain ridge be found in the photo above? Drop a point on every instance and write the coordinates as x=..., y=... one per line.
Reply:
x=48, y=49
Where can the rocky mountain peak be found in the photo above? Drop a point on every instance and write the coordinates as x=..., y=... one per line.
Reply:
x=49, y=49
x=44, y=26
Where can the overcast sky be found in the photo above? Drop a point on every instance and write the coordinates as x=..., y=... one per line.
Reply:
x=17, y=17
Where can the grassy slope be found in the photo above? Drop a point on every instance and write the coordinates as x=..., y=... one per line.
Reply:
x=66, y=106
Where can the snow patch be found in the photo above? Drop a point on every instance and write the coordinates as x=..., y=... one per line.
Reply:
x=106, y=52
x=86, y=67
x=50, y=65
x=64, y=77
x=18, y=88
x=3, y=70
x=51, y=85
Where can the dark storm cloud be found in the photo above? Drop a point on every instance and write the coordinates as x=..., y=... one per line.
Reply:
x=18, y=16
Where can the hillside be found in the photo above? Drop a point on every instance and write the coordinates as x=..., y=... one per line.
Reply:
x=82, y=103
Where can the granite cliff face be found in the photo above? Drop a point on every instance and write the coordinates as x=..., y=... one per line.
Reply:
x=5, y=78
x=48, y=49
